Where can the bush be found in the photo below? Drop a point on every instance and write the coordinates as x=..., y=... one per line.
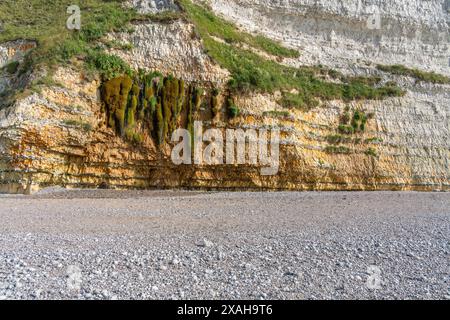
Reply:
x=70, y=48
x=374, y=140
x=159, y=124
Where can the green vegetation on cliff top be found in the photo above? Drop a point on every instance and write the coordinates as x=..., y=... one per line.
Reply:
x=45, y=22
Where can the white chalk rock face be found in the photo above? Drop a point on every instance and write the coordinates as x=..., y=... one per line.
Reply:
x=153, y=6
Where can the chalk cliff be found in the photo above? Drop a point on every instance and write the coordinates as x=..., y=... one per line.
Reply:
x=59, y=135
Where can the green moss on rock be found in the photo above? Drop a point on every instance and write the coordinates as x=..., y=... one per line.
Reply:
x=151, y=102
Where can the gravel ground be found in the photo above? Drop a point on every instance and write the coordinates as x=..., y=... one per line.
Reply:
x=194, y=245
